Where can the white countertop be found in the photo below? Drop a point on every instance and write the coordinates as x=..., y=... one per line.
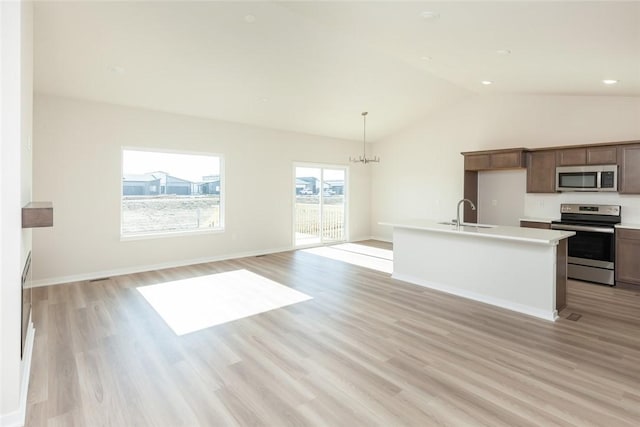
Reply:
x=627, y=225
x=532, y=219
x=531, y=235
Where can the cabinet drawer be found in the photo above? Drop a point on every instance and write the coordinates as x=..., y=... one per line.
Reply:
x=534, y=224
x=628, y=234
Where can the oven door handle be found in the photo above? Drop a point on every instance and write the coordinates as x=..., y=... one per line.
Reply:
x=582, y=228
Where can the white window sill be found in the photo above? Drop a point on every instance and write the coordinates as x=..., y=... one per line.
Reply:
x=165, y=234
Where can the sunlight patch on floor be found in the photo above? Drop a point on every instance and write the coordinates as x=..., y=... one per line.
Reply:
x=361, y=255
x=192, y=304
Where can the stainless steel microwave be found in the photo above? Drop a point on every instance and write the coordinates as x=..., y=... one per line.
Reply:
x=587, y=178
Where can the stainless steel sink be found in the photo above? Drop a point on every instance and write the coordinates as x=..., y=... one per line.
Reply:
x=478, y=225
x=467, y=224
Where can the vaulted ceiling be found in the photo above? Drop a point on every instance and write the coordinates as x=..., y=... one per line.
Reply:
x=313, y=67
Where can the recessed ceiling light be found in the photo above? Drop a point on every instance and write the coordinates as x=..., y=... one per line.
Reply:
x=264, y=99
x=610, y=82
x=486, y=82
x=249, y=19
x=116, y=69
x=503, y=51
x=426, y=58
x=430, y=15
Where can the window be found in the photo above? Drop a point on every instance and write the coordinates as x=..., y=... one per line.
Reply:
x=165, y=192
x=320, y=205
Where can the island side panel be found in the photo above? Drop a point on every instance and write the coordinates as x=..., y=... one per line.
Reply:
x=519, y=276
x=561, y=275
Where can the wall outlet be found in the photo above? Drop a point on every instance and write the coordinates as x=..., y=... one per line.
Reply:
x=494, y=202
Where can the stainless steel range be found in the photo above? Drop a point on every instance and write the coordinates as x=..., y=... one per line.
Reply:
x=592, y=249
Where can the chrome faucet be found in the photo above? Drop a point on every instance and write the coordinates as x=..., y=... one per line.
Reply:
x=473, y=207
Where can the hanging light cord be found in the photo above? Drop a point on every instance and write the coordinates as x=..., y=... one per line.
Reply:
x=364, y=135
x=363, y=158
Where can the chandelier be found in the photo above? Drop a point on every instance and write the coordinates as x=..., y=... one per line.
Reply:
x=364, y=159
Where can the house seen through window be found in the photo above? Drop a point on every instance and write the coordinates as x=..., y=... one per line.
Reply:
x=165, y=192
x=320, y=205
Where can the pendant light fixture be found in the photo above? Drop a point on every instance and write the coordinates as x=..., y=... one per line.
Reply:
x=364, y=159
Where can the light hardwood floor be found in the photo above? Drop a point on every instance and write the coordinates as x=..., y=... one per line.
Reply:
x=366, y=351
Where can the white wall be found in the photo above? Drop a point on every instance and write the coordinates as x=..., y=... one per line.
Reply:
x=548, y=205
x=501, y=196
x=77, y=152
x=16, y=50
x=421, y=171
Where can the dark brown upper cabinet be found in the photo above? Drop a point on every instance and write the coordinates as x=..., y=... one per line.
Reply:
x=541, y=163
x=541, y=171
x=571, y=157
x=629, y=170
x=477, y=162
x=606, y=155
x=602, y=155
x=494, y=160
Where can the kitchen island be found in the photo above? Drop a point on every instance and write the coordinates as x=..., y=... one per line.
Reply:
x=520, y=269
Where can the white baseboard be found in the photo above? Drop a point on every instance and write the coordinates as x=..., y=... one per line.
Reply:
x=360, y=239
x=551, y=315
x=142, y=268
x=382, y=239
x=17, y=418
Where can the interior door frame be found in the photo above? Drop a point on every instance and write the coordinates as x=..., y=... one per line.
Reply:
x=347, y=198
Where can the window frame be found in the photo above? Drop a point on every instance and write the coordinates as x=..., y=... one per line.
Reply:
x=181, y=233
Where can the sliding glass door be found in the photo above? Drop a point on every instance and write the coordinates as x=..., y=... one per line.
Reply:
x=320, y=205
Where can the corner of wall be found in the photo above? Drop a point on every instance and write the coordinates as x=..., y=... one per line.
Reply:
x=16, y=85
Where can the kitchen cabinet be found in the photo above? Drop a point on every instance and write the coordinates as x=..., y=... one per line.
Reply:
x=606, y=155
x=486, y=161
x=494, y=160
x=541, y=171
x=476, y=162
x=508, y=160
x=541, y=163
x=627, y=252
x=602, y=155
x=572, y=157
x=535, y=224
x=629, y=171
